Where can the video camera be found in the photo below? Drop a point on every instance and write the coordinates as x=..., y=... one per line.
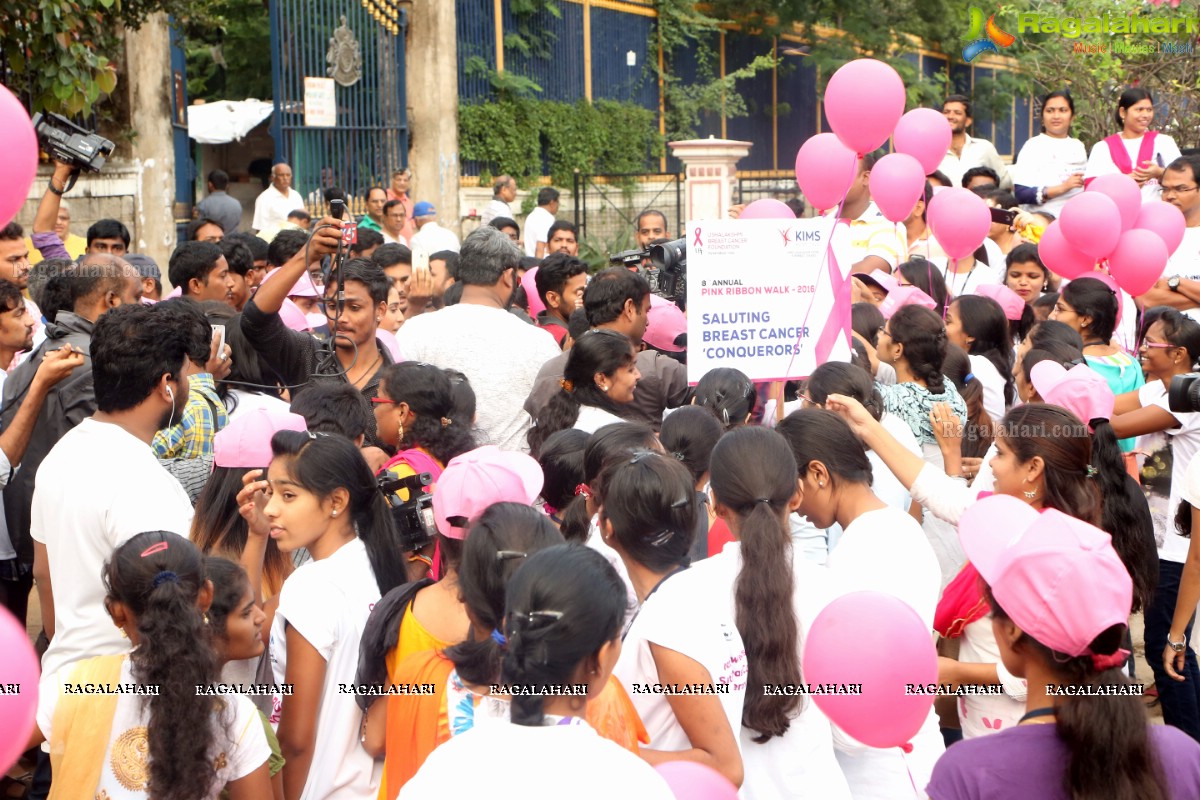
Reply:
x=1184, y=395
x=67, y=142
x=667, y=272
x=413, y=517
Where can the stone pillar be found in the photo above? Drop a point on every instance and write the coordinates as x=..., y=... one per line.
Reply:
x=147, y=81
x=432, y=86
x=710, y=168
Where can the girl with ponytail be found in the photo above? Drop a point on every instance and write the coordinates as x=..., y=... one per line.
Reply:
x=772, y=594
x=977, y=324
x=322, y=496
x=174, y=742
x=561, y=625
x=1091, y=738
x=682, y=632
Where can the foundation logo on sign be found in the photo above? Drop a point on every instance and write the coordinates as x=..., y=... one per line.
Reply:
x=984, y=37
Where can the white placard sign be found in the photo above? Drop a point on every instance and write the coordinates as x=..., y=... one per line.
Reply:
x=320, y=103
x=761, y=294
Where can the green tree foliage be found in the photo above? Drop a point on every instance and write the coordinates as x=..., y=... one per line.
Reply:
x=229, y=52
x=66, y=52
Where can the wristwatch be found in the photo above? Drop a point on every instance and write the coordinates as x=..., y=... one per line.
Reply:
x=1178, y=647
x=1173, y=283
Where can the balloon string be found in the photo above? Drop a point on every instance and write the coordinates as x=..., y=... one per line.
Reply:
x=905, y=750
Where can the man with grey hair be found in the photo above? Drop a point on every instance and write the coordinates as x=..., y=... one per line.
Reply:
x=499, y=354
x=504, y=191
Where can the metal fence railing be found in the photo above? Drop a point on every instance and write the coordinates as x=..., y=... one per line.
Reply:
x=607, y=208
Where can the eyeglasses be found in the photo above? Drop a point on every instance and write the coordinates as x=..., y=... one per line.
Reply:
x=384, y=401
x=1160, y=345
x=1178, y=189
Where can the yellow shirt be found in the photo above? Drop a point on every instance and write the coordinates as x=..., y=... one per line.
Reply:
x=413, y=639
x=76, y=246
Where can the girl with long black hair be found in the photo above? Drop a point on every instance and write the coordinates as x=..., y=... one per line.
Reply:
x=773, y=594
x=174, y=742
x=977, y=324
x=562, y=626
x=322, y=496
x=599, y=377
x=1084, y=733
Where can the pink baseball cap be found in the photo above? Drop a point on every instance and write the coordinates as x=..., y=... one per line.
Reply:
x=1080, y=390
x=246, y=441
x=905, y=296
x=481, y=478
x=666, y=323
x=529, y=282
x=1058, y=578
x=878, y=277
x=1009, y=301
x=304, y=286
x=293, y=317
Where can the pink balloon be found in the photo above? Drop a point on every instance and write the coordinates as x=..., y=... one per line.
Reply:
x=767, y=208
x=536, y=306
x=960, y=221
x=1061, y=256
x=1164, y=219
x=1092, y=223
x=16, y=708
x=924, y=134
x=884, y=714
x=897, y=182
x=1124, y=191
x=18, y=156
x=692, y=781
x=863, y=102
x=825, y=168
x=1138, y=260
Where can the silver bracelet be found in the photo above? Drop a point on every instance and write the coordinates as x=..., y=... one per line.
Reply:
x=1041, y=195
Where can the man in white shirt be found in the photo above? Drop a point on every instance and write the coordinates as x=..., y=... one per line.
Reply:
x=499, y=354
x=139, y=361
x=967, y=151
x=272, y=207
x=393, y=223
x=538, y=223
x=430, y=236
x=503, y=192
x=1179, y=286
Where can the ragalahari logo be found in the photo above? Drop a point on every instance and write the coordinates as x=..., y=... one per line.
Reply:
x=982, y=37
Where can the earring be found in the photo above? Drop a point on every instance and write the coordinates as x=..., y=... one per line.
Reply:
x=401, y=431
x=821, y=484
x=205, y=617
x=124, y=635
x=604, y=388
x=1030, y=495
x=335, y=513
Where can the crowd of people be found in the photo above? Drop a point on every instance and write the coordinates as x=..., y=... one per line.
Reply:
x=403, y=518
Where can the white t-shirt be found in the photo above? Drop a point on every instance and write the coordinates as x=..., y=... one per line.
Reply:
x=593, y=418
x=1185, y=262
x=499, y=354
x=981, y=714
x=1184, y=442
x=328, y=602
x=537, y=226
x=596, y=541
x=495, y=208
x=1047, y=161
x=544, y=763
x=993, y=387
x=960, y=283
x=801, y=763
x=81, y=521
x=240, y=746
x=1100, y=162
x=271, y=208
x=433, y=238
x=687, y=616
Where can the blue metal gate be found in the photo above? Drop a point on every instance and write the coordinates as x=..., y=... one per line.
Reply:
x=329, y=39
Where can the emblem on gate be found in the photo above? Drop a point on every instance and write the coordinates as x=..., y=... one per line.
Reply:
x=344, y=56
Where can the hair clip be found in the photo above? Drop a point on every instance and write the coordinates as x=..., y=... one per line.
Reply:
x=498, y=638
x=530, y=617
x=583, y=489
x=683, y=502
x=446, y=422
x=567, y=386
x=549, y=509
x=661, y=538
x=970, y=377
x=1091, y=471
x=678, y=456
x=164, y=576
x=641, y=455
x=505, y=555
x=154, y=548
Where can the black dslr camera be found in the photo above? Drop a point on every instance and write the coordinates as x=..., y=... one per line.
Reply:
x=414, y=517
x=1184, y=395
x=667, y=272
x=67, y=142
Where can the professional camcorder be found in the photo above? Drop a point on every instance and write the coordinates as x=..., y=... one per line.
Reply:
x=667, y=272
x=1184, y=395
x=413, y=517
x=67, y=142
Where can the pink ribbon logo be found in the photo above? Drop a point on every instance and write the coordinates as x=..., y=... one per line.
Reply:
x=839, y=318
x=698, y=242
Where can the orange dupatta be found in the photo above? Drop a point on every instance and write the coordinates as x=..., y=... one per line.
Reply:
x=81, y=728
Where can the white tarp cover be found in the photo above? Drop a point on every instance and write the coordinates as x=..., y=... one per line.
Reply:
x=225, y=121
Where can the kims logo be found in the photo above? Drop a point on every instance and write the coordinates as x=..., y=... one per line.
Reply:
x=984, y=37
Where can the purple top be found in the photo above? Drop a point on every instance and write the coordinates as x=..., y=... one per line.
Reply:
x=1029, y=762
x=49, y=245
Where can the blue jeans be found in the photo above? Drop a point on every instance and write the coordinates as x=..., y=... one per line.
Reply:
x=1180, y=701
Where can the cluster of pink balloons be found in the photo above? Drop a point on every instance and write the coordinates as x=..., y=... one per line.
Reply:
x=18, y=155
x=864, y=104
x=1109, y=222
